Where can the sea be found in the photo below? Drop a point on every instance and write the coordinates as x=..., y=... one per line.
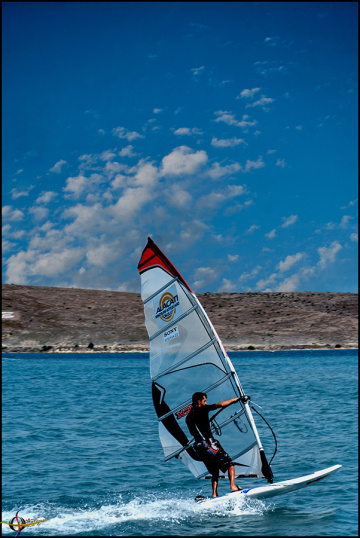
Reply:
x=81, y=448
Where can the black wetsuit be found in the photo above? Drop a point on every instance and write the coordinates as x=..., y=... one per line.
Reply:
x=209, y=449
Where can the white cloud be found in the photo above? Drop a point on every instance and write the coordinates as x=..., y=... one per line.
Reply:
x=183, y=161
x=76, y=185
x=252, y=274
x=252, y=229
x=127, y=151
x=289, y=262
x=288, y=221
x=261, y=102
x=187, y=131
x=157, y=110
x=218, y=171
x=227, y=142
x=179, y=197
x=204, y=276
x=281, y=162
x=8, y=213
x=345, y=221
x=17, y=194
x=121, y=132
x=216, y=198
x=33, y=263
x=248, y=93
x=39, y=212
x=131, y=202
x=271, y=234
x=56, y=169
x=354, y=237
x=197, y=70
x=328, y=254
x=103, y=254
x=254, y=165
x=265, y=282
x=229, y=119
x=233, y=258
x=46, y=197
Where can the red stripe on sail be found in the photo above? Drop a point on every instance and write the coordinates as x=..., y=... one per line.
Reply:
x=153, y=257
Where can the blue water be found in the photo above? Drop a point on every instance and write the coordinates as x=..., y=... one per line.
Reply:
x=81, y=448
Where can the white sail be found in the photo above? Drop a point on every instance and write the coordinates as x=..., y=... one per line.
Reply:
x=187, y=356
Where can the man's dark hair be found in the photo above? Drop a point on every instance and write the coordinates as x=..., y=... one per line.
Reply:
x=197, y=396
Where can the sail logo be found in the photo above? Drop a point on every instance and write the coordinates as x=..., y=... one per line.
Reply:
x=167, y=308
x=171, y=333
x=183, y=412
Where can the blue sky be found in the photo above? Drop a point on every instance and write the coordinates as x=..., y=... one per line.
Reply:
x=225, y=131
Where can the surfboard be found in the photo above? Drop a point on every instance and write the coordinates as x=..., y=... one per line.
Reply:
x=271, y=490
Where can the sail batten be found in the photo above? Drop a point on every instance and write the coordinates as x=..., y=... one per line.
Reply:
x=187, y=356
x=188, y=402
x=183, y=361
x=167, y=285
x=174, y=322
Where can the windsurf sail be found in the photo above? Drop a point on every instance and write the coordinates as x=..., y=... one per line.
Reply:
x=187, y=356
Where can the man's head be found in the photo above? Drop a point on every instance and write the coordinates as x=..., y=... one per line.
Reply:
x=199, y=399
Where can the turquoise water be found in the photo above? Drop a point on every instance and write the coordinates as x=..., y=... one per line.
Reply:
x=81, y=448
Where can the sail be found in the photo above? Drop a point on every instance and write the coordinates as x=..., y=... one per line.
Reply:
x=187, y=356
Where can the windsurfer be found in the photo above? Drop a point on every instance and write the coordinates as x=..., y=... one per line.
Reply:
x=209, y=449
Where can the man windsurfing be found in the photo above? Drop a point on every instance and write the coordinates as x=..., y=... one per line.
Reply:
x=209, y=449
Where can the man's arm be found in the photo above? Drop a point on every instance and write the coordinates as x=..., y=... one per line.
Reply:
x=225, y=403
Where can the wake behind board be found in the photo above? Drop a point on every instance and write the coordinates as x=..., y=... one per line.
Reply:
x=271, y=490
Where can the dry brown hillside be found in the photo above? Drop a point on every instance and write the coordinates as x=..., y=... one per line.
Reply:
x=70, y=319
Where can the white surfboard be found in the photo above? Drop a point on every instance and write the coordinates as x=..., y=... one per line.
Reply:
x=271, y=490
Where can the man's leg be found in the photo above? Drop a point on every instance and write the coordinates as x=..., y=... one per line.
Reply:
x=214, y=482
x=231, y=471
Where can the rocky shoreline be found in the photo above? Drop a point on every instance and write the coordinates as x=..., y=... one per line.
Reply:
x=67, y=320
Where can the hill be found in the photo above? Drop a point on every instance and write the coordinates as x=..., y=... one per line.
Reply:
x=66, y=319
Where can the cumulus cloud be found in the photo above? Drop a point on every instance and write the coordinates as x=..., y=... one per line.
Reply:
x=121, y=132
x=230, y=119
x=261, y=102
x=328, y=254
x=76, y=185
x=216, y=198
x=233, y=258
x=204, y=276
x=11, y=214
x=32, y=262
x=227, y=142
x=183, y=161
x=288, y=221
x=15, y=193
x=254, y=165
x=187, y=131
x=56, y=169
x=281, y=162
x=45, y=197
x=271, y=234
x=218, y=171
x=354, y=237
x=248, y=93
x=289, y=262
x=197, y=70
x=252, y=229
x=127, y=151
